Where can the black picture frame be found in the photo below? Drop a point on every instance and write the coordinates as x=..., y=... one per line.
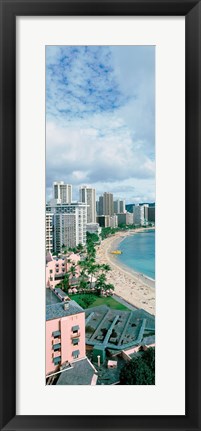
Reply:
x=191, y=9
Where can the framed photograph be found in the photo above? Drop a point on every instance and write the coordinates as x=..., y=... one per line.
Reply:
x=100, y=144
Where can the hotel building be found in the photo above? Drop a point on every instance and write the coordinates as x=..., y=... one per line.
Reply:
x=49, y=231
x=62, y=192
x=69, y=225
x=138, y=215
x=65, y=332
x=119, y=206
x=108, y=204
x=88, y=196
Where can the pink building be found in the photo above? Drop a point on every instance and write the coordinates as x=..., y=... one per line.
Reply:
x=65, y=332
x=57, y=267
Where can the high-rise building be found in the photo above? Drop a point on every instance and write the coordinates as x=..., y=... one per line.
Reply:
x=125, y=218
x=108, y=204
x=119, y=206
x=100, y=206
x=62, y=192
x=122, y=205
x=69, y=221
x=129, y=207
x=151, y=214
x=138, y=215
x=146, y=208
x=88, y=196
x=103, y=221
x=49, y=231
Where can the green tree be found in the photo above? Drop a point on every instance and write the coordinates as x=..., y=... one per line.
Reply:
x=139, y=371
x=101, y=282
x=65, y=282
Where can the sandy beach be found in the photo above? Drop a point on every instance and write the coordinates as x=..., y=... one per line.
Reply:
x=136, y=288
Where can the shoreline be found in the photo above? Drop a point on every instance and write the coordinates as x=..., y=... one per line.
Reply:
x=136, y=288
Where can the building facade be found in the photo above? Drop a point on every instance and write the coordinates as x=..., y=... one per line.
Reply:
x=56, y=268
x=49, y=231
x=62, y=192
x=151, y=214
x=100, y=206
x=108, y=204
x=138, y=215
x=69, y=225
x=88, y=196
x=125, y=218
x=65, y=333
x=119, y=206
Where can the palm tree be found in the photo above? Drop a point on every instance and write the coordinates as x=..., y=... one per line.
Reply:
x=92, y=268
x=72, y=272
x=80, y=247
x=106, y=267
x=65, y=282
x=101, y=282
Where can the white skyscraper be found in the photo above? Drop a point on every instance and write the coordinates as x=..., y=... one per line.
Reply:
x=69, y=225
x=108, y=204
x=88, y=196
x=49, y=231
x=62, y=192
x=119, y=206
x=139, y=214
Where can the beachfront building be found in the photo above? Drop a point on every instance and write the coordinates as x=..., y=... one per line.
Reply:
x=151, y=214
x=62, y=192
x=108, y=204
x=65, y=332
x=125, y=218
x=93, y=228
x=119, y=206
x=107, y=221
x=103, y=221
x=99, y=207
x=129, y=208
x=88, y=196
x=139, y=215
x=56, y=267
x=105, y=205
x=69, y=225
x=49, y=231
x=113, y=221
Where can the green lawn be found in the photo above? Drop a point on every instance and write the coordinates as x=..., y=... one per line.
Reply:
x=97, y=300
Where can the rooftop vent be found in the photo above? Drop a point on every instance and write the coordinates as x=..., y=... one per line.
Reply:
x=66, y=305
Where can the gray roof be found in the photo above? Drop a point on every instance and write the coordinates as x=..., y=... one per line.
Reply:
x=56, y=311
x=51, y=298
x=81, y=374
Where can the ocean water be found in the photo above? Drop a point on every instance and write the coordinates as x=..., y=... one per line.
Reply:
x=139, y=252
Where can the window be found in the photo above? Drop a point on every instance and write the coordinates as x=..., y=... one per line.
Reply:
x=57, y=360
x=75, y=341
x=56, y=334
x=75, y=328
x=75, y=354
x=50, y=271
x=56, y=347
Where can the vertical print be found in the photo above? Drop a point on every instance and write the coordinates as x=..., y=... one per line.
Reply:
x=100, y=215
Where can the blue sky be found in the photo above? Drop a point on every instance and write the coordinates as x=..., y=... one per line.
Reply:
x=100, y=119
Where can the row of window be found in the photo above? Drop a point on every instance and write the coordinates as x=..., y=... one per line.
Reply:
x=75, y=355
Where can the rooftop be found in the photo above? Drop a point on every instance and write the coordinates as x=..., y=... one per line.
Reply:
x=51, y=298
x=81, y=373
x=116, y=329
x=55, y=307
